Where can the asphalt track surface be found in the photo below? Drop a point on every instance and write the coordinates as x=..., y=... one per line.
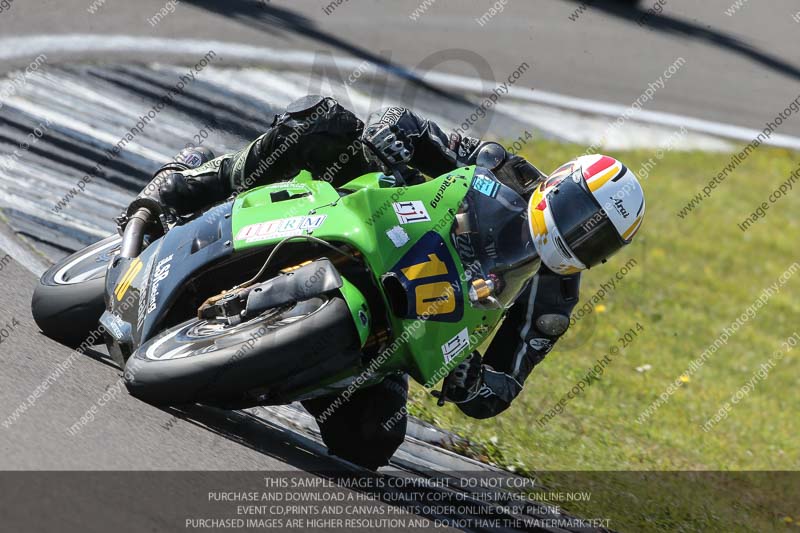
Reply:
x=741, y=69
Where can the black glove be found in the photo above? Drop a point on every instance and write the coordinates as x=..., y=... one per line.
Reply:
x=464, y=382
x=387, y=147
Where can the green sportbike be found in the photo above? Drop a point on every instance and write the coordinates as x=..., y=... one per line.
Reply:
x=297, y=290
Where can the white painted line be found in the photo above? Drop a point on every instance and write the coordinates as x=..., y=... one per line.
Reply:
x=596, y=107
x=77, y=44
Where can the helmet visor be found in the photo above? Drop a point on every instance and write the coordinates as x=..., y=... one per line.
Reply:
x=582, y=222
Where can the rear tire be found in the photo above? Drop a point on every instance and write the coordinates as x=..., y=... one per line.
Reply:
x=201, y=361
x=70, y=297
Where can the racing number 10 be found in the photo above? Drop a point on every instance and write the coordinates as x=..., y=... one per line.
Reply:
x=437, y=297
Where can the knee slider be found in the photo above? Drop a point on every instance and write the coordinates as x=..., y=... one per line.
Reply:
x=552, y=324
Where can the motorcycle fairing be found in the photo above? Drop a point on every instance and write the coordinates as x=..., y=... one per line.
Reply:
x=140, y=291
x=430, y=278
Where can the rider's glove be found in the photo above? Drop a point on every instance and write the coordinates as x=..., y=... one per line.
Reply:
x=387, y=146
x=464, y=381
x=160, y=194
x=171, y=194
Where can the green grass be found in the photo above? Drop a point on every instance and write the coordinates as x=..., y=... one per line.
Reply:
x=693, y=277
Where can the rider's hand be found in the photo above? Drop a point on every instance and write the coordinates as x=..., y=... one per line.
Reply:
x=464, y=381
x=157, y=195
x=387, y=146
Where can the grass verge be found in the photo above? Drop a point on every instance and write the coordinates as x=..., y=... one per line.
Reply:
x=693, y=276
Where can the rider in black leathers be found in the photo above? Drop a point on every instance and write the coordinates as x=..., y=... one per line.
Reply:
x=313, y=134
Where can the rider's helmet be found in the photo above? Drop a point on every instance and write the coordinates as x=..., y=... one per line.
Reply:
x=584, y=212
x=577, y=217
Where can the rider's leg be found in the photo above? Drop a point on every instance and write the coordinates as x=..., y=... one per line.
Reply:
x=369, y=427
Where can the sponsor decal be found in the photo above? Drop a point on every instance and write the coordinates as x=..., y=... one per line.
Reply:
x=541, y=345
x=430, y=278
x=485, y=185
x=113, y=324
x=160, y=274
x=411, y=212
x=466, y=252
x=398, y=236
x=291, y=188
x=283, y=227
x=142, y=309
x=448, y=181
x=620, y=207
x=392, y=116
x=192, y=159
x=362, y=316
x=452, y=348
x=206, y=168
x=485, y=391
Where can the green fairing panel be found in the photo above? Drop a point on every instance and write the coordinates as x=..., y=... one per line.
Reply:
x=403, y=232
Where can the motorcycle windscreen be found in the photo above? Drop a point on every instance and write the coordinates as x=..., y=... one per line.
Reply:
x=499, y=242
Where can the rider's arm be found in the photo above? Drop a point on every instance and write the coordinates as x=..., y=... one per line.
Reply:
x=533, y=325
x=432, y=151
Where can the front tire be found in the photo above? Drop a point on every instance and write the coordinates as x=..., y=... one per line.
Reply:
x=70, y=297
x=203, y=361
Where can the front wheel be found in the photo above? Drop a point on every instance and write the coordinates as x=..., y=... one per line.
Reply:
x=69, y=298
x=212, y=362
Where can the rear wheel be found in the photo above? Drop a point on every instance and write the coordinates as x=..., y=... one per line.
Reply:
x=213, y=362
x=69, y=298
